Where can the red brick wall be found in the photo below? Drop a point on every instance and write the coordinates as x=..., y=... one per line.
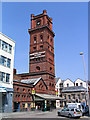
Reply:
x=47, y=64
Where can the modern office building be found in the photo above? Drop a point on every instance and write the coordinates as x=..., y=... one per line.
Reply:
x=7, y=47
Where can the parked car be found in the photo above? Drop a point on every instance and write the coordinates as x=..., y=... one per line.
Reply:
x=77, y=105
x=70, y=112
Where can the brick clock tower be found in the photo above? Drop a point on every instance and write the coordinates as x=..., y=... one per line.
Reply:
x=41, y=55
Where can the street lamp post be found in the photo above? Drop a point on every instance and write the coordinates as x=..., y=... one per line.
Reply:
x=86, y=82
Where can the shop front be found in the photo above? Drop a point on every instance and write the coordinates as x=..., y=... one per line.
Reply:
x=45, y=102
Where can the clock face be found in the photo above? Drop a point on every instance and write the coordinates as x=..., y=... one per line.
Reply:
x=38, y=23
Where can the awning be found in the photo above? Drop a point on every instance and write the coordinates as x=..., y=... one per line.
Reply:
x=48, y=97
x=3, y=89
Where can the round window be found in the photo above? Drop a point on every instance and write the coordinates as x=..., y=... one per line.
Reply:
x=38, y=68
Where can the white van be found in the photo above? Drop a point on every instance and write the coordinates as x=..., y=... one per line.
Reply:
x=76, y=105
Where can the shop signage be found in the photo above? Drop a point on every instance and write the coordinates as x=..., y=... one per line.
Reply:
x=33, y=90
x=56, y=92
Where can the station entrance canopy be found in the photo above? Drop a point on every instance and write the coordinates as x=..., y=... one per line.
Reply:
x=46, y=97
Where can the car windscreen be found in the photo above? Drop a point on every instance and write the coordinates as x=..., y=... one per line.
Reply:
x=77, y=110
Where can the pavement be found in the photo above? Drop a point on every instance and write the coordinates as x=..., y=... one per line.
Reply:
x=28, y=115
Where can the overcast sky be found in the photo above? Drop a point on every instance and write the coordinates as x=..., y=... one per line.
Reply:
x=70, y=25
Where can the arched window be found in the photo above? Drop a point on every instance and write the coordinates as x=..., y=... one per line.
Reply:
x=17, y=89
x=23, y=89
x=48, y=37
x=41, y=47
x=52, y=85
x=51, y=40
x=41, y=38
x=50, y=68
x=38, y=68
x=49, y=84
x=35, y=39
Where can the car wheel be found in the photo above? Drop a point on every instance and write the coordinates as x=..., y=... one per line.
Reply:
x=69, y=115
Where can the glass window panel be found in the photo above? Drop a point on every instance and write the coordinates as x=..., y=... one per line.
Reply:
x=3, y=60
x=8, y=63
x=6, y=47
x=7, y=77
x=0, y=43
x=3, y=45
x=10, y=48
x=0, y=60
x=0, y=76
x=3, y=76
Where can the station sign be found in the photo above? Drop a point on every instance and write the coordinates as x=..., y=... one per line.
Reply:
x=56, y=92
x=33, y=90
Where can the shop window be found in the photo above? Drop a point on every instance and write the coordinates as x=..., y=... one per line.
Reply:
x=23, y=105
x=64, y=96
x=73, y=96
x=28, y=104
x=69, y=97
x=38, y=68
x=78, y=96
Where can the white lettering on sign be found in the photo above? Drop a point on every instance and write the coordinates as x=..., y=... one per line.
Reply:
x=37, y=55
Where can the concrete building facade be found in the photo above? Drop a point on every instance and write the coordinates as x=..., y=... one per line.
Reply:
x=7, y=47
